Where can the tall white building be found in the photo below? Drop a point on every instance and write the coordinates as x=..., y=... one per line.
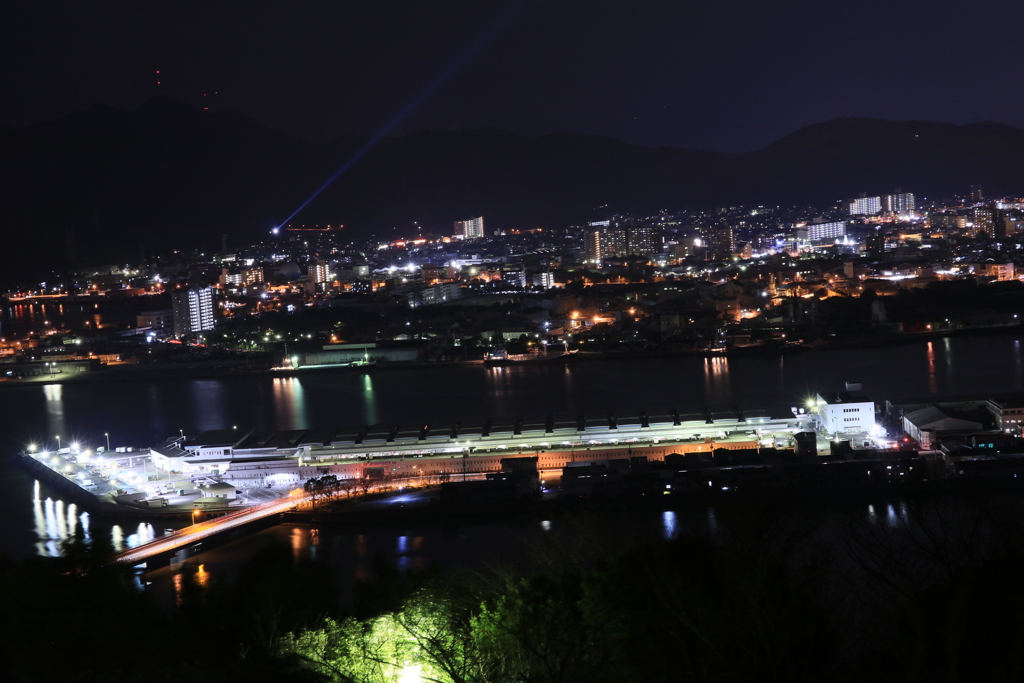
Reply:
x=470, y=229
x=193, y=310
x=317, y=272
x=865, y=206
x=901, y=202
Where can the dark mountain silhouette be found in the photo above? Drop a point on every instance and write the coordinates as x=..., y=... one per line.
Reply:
x=105, y=185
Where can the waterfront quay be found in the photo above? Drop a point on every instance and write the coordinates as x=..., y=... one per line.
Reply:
x=284, y=460
x=227, y=470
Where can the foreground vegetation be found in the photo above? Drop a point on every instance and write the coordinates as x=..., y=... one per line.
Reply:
x=918, y=591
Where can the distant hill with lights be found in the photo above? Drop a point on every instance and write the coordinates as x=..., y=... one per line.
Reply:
x=105, y=184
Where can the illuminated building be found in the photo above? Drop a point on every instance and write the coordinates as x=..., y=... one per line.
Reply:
x=317, y=272
x=719, y=241
x=984, y=221
x=545, y=279
x=865, y=206
x=603, y=241
x=899, y=203
x=193, y=310
x=470, y=229
x=820, y=232
x=621, y=237
x=159, y=323
x=842, y=413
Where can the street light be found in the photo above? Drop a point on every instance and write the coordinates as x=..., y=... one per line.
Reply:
x=58, y=442
x=194, y=513
x=107, y=434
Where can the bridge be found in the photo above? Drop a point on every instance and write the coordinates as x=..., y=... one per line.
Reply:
x=206, y=529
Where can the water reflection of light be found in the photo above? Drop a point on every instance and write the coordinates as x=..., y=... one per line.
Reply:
x=360, y=572
x=84, y=520
x=72, y=520
x=1018, y=363
x=60, y=519
x=51, y=519
x=117, y=538
x=144, y=534
x=208, y=401
x=39, y=517
x=933, y=384
x=403, y=563
x=369, y=399
x=712, y=521
x=668, y=524
x=299, y=543
x=403, y=544
x=290, y=403
x=179, y=587
x=202, y=576
x=55, y=408
x=716, y=377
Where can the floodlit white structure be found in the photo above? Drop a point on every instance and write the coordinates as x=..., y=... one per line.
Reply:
x=472, y=228
x=193, y=310
x=844, y=413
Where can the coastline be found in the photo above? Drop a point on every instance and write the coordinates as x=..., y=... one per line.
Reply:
x=227, y=369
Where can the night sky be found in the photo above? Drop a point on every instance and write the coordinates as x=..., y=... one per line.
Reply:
x=729, y=76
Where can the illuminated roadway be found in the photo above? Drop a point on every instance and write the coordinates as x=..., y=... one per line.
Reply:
x=201, y=530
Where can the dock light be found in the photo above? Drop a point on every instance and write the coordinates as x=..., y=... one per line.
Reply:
x=31, y=448
x=194, y=513
x=74, y=446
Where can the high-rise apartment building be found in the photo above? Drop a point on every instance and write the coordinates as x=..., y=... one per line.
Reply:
x=984, y=221
x=899, y=203
x=470, y=229
x=821, y=232
x=621, y=237
x=318, y=272
x=865, y=206
x=719, y=241
x=193, y=310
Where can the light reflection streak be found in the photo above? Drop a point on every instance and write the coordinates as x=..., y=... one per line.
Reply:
x=179, y=588
x=202, y=576
x=668, y=524
x=290, y=403
x=716, y=377
x=1018, y=365
x=55, y=408
x=208, y=401
x=298, y=542
x=933, y=383
x=72, y=520
x=60, y=519
x=369, y=400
